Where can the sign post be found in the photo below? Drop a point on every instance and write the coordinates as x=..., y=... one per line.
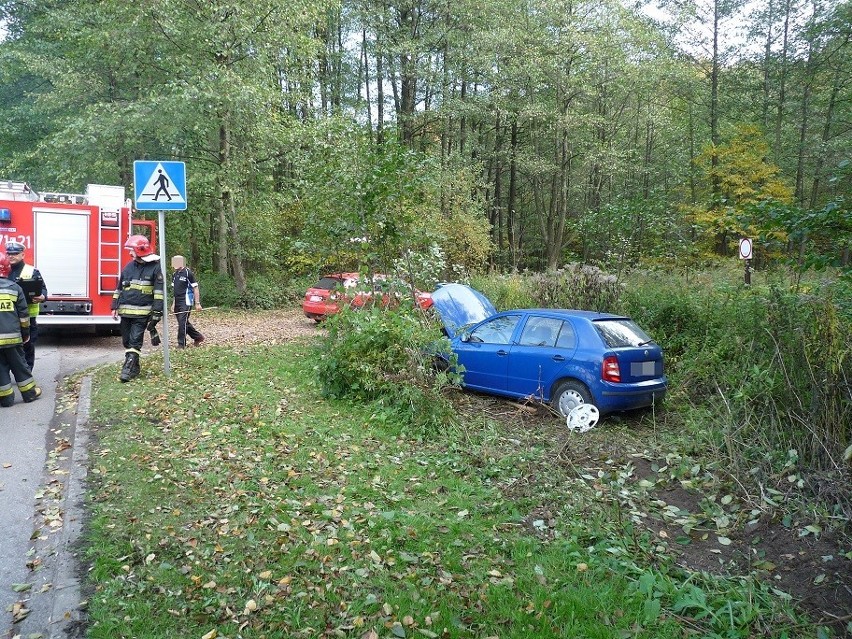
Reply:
x=152, y=181
x=745, y=254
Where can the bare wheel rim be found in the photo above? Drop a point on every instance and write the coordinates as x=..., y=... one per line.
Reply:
x=569, y=400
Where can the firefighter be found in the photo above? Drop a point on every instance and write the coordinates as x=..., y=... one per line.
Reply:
x=14, y=332
x=138, y=300
x=29, y=278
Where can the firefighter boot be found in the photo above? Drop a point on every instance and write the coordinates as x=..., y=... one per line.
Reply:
x=134, y=365
x=31, y=395
x=127, y=370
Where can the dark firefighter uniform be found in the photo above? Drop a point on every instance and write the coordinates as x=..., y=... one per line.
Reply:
x=20, y=273
x=137, y=300
x=14, y=329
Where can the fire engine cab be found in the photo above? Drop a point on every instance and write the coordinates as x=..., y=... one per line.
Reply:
x=76, y=242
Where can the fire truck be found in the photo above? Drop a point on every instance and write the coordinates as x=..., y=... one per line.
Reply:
x=76, y=242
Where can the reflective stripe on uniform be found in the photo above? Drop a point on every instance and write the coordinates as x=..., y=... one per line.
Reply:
x=134, y=311
x=11, y=339
x=143, y=286
x=27, y=384
x=6, y=390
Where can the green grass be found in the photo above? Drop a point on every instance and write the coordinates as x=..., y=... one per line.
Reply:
x=233, y=500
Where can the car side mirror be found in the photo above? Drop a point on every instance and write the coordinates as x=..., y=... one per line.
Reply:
x=465, y=337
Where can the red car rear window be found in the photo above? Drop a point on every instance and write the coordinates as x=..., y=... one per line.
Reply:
x=328, y=283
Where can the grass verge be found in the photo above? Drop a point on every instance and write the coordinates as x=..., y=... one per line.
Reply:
x=232, y=500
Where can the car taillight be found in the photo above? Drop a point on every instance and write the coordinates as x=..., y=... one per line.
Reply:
x=610, y=371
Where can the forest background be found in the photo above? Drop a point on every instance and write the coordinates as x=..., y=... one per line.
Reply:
x=512, y=135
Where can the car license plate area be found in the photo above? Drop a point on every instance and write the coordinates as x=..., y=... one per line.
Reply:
x=316, y=298
x=643, y=369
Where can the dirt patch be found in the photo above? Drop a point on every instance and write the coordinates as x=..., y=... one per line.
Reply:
x=240, y=328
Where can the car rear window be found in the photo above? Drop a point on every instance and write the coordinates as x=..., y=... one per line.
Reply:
x=618, y=333
x=328, y=283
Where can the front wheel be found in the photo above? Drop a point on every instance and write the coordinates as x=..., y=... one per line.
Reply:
x=568, y=395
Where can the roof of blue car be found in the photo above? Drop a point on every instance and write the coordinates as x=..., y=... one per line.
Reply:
x=590, y=315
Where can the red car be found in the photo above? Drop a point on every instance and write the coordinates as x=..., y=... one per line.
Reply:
x=336, y=290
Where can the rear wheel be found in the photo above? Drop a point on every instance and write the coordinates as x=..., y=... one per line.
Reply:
x=568, y=395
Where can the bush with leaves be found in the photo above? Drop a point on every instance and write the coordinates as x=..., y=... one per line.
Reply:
x=261, y=291
x=505, y=291
x=579, y=286
x=386, y=356
x=770, y=365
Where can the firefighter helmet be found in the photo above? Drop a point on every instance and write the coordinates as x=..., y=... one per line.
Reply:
x=5, y=265
x=13, y=248
x=139, y=244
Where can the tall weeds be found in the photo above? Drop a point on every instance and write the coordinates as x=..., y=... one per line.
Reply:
x=773, y=364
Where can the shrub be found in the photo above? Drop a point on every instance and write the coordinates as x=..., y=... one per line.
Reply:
x=579, y=286
x=218, y=290
x=505, y=291
x=385, y=356
x=262, y=291
x=771, y=365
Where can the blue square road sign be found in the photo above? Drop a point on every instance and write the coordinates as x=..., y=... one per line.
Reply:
x=159, y=186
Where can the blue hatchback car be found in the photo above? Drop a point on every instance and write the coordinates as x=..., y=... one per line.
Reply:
x=563, y=357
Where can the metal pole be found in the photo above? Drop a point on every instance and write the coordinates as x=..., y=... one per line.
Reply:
x=747, y=272
x=161, y=229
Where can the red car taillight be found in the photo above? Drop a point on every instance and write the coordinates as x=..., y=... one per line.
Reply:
x=610, y=371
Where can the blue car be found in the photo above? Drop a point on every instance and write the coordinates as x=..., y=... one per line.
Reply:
x=564, y=357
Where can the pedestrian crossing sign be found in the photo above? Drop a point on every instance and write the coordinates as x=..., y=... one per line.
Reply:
x=159, y=186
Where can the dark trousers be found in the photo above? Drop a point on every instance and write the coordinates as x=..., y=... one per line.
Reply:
x=12, y=362
x=29, y=347
x=185, y=327
x=133, y=333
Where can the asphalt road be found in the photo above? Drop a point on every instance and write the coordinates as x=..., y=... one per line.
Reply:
x=42, y=455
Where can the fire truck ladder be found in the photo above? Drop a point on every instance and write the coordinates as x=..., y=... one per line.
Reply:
x=17, y=191
x=109, y=254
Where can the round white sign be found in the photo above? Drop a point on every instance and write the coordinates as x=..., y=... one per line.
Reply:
x=745, y=249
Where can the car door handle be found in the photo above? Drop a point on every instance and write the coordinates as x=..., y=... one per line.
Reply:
x=502, y=353
x=558, y=358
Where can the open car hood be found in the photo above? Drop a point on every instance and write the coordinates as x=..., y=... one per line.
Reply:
x=459, y=306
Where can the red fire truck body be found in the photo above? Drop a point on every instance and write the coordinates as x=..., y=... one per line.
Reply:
x=76, y=242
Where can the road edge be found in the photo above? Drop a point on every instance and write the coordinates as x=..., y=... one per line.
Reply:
x=68, y=607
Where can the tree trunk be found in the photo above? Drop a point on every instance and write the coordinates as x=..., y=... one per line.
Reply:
x=380, y=91
x=511, y=221
x=365, y=61
x=782, y=83
x=229, y=239
x=803, y=127
x=496, y=207
x=767, y=61
x=826, y=136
